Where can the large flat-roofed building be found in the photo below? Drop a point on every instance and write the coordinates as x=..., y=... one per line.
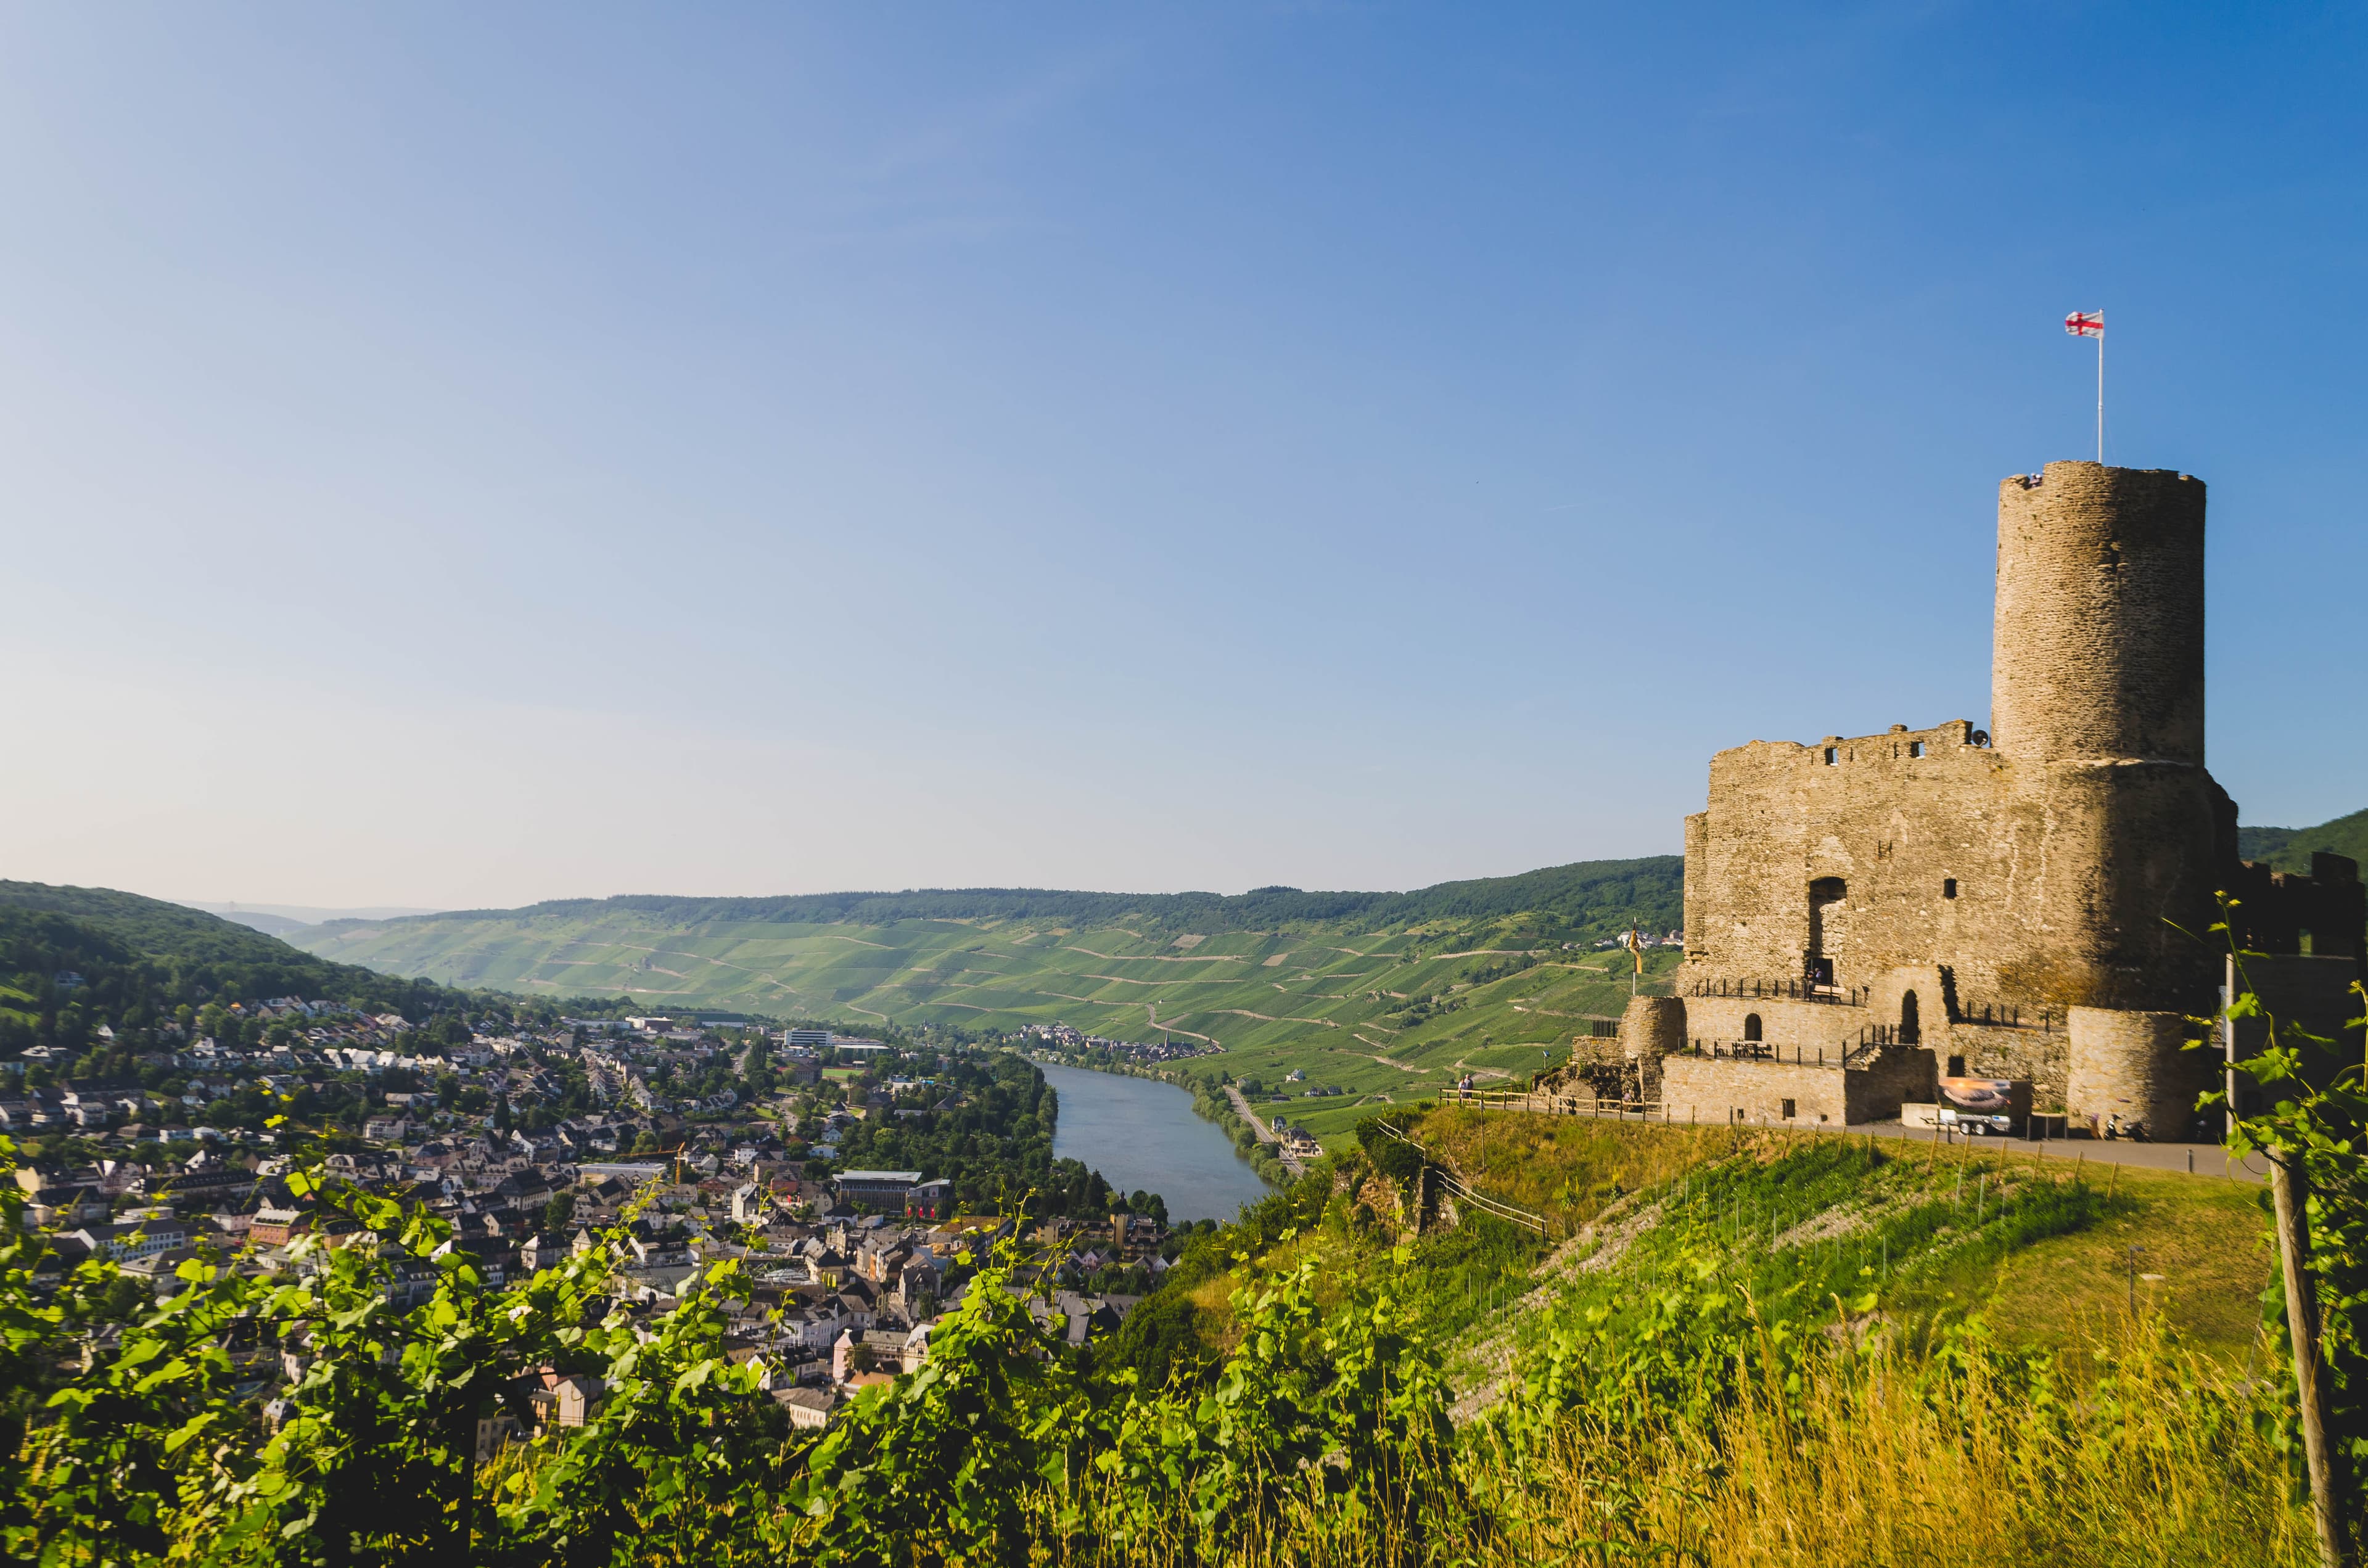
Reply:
x=883, y=1190
x=1866, y=912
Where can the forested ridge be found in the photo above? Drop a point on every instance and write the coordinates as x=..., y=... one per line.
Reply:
x=73, y=961
x=2289, y=848
x=1585, y=893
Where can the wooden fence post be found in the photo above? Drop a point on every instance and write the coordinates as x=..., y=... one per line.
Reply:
x=2293, y=1200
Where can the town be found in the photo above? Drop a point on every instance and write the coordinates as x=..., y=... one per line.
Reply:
x=697, y=1142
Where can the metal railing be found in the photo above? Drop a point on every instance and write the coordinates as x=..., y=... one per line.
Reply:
x=2001, y=1016
x=1873, y=1038
x=1763, y=1050
x=1463, y=1191
x=1793, y=990
x=1537, y=1103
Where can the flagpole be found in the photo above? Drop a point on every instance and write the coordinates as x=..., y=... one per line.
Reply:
x=2100, y=394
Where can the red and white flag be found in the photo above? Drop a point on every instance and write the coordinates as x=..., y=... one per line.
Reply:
x=2086, y=323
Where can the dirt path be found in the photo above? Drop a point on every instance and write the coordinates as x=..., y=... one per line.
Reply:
x=1381, y=1049
x=1493, y=952
x=1152, y=1009
x=1462, y=1066
x=1482, y=1375
x=1156, y=957
x=1270, y=1018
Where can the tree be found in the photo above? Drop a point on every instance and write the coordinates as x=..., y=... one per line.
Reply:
x=2311, y=1132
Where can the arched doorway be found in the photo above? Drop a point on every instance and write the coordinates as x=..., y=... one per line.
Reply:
x=1911, y=1028
x=1752, y=1025
x=1829, y=907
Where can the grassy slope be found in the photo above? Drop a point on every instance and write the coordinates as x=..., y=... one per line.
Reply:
x=2205, y=1235
x=1318, y=997
x=2289, y=848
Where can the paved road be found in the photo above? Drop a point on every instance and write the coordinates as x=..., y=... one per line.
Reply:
x=2203, y=1159
x=1264, y=1133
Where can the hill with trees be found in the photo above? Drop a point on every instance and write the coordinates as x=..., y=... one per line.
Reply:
x=76, y=960
x=2290, y=849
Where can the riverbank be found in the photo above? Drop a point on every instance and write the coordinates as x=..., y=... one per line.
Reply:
x=1216, y=1102
x=1142, y=1130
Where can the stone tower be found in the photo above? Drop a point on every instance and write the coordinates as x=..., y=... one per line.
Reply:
x=2096, y=700
x=2099, y=654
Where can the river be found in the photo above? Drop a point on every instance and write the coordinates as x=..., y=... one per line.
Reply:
x=1143, y=1136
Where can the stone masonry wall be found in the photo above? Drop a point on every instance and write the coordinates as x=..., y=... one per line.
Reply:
x=2130, y=1062
x=1700, y=1089
x=2038, y=886
x=1803, y=1026
x=2040, y=1056
x=1714, y=1089
x=2098, y=650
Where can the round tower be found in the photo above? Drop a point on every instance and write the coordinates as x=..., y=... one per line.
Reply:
x=2099, y=651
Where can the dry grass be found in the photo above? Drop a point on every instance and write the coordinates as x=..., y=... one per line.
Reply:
x=2205, y=1237
x=2164, y=1465
x=1572, y=1167
x=1872, y=1471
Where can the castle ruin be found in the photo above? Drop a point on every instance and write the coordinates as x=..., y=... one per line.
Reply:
x=1867, y=914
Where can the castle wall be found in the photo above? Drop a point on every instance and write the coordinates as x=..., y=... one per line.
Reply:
x=2036, y=886
x=2307, y=995
x=1790, y=1025
x=2132, y=1063
x=1716, y=1089
x=2041, y=1057
x=1891, y=826
x=2056, y=868
x=2125, y=899
x=1652, y=1027
x=1700, y=1088
x=2276, y=910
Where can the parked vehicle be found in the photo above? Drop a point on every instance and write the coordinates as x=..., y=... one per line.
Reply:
x=1985, y=1107
x=1977, y=1124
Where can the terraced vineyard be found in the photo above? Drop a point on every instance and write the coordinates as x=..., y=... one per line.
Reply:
x=1387, y=1013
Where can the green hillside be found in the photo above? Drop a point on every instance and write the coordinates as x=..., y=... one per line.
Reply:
x=2289, y=848
x=1331, y=983
x=83, y=928
x=74, y=959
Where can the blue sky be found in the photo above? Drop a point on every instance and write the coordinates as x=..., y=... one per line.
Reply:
x=465, y=455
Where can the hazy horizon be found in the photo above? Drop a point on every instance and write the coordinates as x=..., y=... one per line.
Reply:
x=464, y=458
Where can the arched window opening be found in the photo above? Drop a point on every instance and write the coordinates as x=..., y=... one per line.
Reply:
x=1911, y=1030
x=1752, y=1025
